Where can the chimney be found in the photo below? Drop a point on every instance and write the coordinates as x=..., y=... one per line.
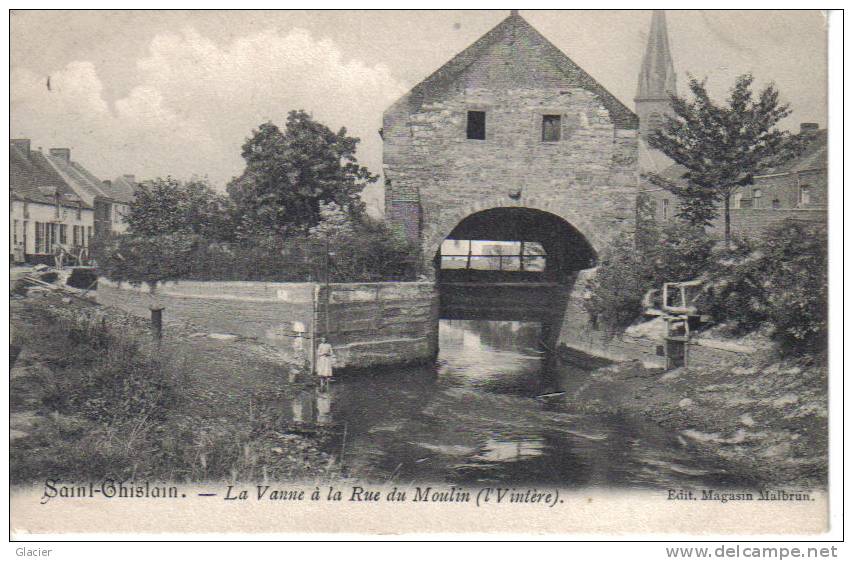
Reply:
x=63, y=154
x=107, y=183
x=22, y=144
x=809, y=127
x=130, y=178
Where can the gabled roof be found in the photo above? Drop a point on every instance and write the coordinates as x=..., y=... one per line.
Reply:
x=813, y=156
x=510, y=28
x=32, y=178
x=122, y=189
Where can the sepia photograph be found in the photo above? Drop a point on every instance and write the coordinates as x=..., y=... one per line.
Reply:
x=384, y=272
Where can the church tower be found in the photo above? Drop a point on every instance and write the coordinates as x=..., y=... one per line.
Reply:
x=657, y=77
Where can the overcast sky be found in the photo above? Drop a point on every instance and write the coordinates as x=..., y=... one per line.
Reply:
x=177, y=92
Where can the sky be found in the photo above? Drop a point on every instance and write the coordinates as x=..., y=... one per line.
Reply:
x=156, y=93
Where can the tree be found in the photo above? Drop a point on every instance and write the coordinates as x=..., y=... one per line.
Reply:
x=168, y=221
x=722, y=147
x=167, y=206
x=139, y=259
x=289, y=174
x=362, y=249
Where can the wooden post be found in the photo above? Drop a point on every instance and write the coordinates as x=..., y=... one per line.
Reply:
x=157, y=322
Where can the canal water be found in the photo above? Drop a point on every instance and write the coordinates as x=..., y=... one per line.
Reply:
x=479, y=416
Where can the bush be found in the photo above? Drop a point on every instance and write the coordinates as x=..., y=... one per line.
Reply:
x=782, y=279
x=363, y=249
x=616, y=291
x=681, y=252
x=798, y=282
x=340, y=249
x=112, y=380
x=139, y=259
x=676, y=252
x=733, y=290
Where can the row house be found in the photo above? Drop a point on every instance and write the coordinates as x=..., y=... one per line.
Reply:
x=795, y=190
x=55, y=202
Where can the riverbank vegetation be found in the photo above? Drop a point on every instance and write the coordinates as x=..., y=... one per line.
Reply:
x=777, y=279
x=776, y=282
x=93, y=398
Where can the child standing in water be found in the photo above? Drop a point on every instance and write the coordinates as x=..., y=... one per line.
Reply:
x=325, y=356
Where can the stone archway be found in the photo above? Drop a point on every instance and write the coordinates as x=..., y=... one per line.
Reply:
x=437, y=232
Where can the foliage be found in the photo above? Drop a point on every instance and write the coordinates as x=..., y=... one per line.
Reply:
x=781, y=279
x=289, y=174
x=721, y=147
x=733, y=290
x=629, y=268
x=679, y=252
x=362, y=249
x=167, y=222
x=616, y=291
x=110, y=408
x=139, y=259
x=167, y=206
x=115, y=380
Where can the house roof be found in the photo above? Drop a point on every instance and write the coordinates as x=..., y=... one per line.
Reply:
x=510, y=29
x=33, y=178
x=813, y=157
x=122, y=189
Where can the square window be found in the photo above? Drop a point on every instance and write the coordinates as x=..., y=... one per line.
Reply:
x=551, y=128
x=476, y=125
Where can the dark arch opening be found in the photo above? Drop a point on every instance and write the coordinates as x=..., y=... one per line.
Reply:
x=565, y=249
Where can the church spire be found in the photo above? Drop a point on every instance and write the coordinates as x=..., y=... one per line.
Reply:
x=657, y=75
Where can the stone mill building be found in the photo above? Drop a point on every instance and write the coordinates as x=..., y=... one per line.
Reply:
x=511, y=140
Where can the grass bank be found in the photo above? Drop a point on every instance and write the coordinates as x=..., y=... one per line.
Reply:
x=93, y=397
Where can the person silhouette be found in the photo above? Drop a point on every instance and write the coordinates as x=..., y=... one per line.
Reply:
x=325, y=356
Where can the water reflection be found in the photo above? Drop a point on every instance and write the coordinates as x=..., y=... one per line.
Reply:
x=310, y=408
x=477, y=416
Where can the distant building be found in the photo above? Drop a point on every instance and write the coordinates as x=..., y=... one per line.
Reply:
x=56, y=201
x=797, y=189
x=109, y=198
x=118, y=194
x=45, y=210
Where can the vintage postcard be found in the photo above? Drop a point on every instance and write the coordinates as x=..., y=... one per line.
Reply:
x=385, y=273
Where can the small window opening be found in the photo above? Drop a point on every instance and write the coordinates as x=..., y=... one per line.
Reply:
x=551, y=128
x=477, y=125
x=805, y=195
x=777, y=203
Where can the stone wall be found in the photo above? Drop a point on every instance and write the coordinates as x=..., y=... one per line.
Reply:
x=436, y=176
x=270, y=312
x=379, y=324
x=368, y=324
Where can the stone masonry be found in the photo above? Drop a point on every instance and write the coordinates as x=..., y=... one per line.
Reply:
x=436, y=176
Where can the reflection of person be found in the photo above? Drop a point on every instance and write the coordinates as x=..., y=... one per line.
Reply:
x=324, y=408
x=325, y=356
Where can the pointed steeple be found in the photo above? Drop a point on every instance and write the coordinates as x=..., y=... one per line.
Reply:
x=657, y=75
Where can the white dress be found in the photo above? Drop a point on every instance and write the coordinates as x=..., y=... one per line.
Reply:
x=324, y=360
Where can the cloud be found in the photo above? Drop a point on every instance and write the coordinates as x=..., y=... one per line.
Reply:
x=196, y=101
